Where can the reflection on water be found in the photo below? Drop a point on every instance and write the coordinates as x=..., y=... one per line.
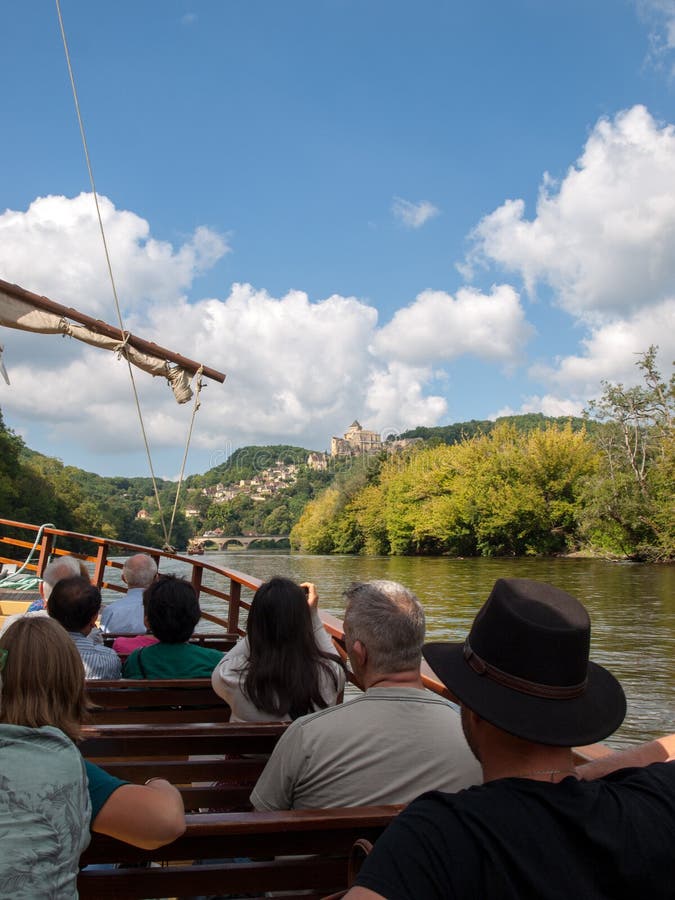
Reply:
x=632, y=609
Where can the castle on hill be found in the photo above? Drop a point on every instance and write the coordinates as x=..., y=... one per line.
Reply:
x=356, y=440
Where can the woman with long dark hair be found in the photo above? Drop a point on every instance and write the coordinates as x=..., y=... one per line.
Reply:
x=286, y=666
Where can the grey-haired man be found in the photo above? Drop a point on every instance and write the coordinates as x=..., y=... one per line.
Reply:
x=386, y=746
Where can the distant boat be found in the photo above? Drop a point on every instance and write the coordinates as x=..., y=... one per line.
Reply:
x=195, y=548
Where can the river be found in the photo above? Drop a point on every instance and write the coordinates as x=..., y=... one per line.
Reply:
x=632, y=609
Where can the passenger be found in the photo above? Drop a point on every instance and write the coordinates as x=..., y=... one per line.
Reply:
x=75, y=604
x=44, y=803
x=125, y=616
x=387, y=745
x=171, y=614
x=529, y=694
x=61, y=567
x=286, y=666
x=50, y=797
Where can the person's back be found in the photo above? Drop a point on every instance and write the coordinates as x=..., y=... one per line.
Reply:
x=44, y=812
x=386, y=746
x=171, y=613
x=75, y=603
x=126, y=615
x=520, y=839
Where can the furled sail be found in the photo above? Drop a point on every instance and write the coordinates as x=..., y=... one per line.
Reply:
x=29, y=312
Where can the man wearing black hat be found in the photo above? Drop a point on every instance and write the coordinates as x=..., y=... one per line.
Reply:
x=534, y=829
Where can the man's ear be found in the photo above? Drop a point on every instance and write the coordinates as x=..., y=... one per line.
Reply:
x=359, y=653
x=123, y=578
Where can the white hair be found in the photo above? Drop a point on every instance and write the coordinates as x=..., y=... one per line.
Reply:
x=58, y=569
x=139, y=571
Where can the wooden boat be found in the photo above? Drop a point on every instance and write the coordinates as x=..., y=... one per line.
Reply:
x=225, y=585
x=152, y=729
x=195, y=547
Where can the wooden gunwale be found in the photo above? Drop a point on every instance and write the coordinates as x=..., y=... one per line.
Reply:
x=99, y=557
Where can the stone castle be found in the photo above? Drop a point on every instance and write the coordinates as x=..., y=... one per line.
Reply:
x=356, y=440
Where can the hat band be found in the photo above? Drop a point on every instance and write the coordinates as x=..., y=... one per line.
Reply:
x=533, y=688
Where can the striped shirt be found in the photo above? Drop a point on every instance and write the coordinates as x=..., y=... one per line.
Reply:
x=98, y=661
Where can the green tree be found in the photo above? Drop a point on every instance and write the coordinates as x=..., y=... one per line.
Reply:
x=629, y=506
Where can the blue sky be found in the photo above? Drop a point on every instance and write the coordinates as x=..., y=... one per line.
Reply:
x=403, y=213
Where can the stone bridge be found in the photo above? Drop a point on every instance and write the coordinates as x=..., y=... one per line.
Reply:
x=222, y=542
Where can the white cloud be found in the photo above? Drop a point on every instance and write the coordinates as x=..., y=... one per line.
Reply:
x=297, y=371
x=604, y=241
x=395, y=398
x=659, y=15
x=55, y=248
x=413, y=215
x=439, y=327
x=549, y=405
x=611, y=351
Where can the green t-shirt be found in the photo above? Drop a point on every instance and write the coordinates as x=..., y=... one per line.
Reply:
x=172, y=661
x=101, y=786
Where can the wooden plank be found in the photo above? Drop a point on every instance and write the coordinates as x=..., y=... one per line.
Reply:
x=134, y=741
x=227, y=771
x=160, y=716
x=255, y=834
x=325, y=875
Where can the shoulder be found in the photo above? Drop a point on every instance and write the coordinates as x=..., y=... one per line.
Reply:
x=101, y=785
x=657, y=776
x=208, y=653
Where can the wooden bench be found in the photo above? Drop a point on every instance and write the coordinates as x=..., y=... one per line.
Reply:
x=128, y=701
x=270, y=849
x=203, y=761
x=221, y=640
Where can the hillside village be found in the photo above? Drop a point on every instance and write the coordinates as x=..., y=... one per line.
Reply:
x=270, y=481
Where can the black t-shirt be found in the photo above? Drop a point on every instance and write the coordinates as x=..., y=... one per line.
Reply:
x=517, y=839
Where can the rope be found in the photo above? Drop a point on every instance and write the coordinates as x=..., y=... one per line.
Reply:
x=30, y=554
x=110, y=270
x=198, y=388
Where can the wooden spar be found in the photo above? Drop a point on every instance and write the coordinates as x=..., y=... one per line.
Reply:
x=110, y=331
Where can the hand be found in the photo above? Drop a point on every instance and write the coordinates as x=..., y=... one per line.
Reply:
x=312, y=594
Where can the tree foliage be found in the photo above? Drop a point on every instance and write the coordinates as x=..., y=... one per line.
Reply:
x=629, y=507
x=502, y=493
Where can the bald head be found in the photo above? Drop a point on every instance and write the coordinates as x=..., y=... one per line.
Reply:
x=139, y=571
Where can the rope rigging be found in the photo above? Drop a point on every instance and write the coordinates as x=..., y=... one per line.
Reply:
x=198, y=378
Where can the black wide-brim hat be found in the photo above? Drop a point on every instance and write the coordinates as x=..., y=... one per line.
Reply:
x=524, y=667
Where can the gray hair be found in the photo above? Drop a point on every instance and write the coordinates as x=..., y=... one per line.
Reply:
x=139, y=571
x=389, y=620
x=58, y=569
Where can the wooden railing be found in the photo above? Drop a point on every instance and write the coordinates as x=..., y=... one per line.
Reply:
x=97, y=552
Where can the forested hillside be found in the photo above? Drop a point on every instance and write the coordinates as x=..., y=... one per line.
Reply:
x=521, y=485
x=524, y=486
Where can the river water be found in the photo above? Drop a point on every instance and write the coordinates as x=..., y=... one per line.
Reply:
x=632, y=609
